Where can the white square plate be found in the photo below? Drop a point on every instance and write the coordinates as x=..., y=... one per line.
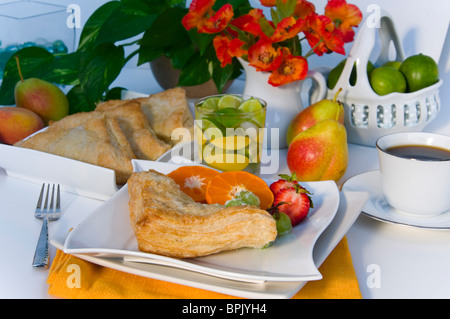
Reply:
x=107, y=232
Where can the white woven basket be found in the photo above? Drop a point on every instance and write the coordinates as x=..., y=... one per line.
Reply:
x=369, y=115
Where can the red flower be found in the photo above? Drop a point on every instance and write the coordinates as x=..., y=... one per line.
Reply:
x=202, y=17
x=219, y=21
x=227, y=48
x=291, y=68
x=303, y=9
x=322, y=36
x=287, y=28
x=345, y=16
x=221, y=44
x=198, y=11
x=263, y=56
x=236, y=48
x=275, y=46
x=249, y=22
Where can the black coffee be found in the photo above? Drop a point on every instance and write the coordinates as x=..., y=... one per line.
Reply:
x=420, y=152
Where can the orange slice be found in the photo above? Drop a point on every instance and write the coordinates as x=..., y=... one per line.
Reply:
x=193, y=180
x=226, y=185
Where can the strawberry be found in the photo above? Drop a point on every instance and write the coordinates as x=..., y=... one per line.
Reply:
x=285, y=181
x=294, y=202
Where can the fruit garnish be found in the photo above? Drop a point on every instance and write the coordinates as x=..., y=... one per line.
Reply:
x=253, y=105
x=293, y=201
x=283, y=221
x=211, y=103
x=193, y=180
x=243, y=197
x=285, y=181
x=226, y=185
x=229, y=101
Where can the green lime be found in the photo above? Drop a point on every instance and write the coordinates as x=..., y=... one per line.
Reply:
x=335, y=73
x=420, y=72
x=228, y=117
x=386, y=79
x=394, y=64
x=229, y=101
x=253, y=105
x=211, y=103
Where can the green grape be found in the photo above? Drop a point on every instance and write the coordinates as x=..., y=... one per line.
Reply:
x=284, y=225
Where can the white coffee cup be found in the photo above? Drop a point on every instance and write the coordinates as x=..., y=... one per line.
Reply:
x=413, y=186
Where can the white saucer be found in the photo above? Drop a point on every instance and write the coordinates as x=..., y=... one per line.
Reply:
x=377, y=207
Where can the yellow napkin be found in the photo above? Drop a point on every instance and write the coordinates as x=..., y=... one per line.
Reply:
x=97, y=282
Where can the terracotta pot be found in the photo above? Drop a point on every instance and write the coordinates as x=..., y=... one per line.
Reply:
x=167, y=77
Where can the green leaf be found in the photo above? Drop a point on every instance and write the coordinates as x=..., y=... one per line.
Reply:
x=63, y=69
x=77, y=101
x=179, y=56
x=285, y=9
x=221, y=76
x=92, y=27
x=97, y=71
x=196, y=71
x=114, y=94
x=201, y=40
x=133, y=17
x=166, y=31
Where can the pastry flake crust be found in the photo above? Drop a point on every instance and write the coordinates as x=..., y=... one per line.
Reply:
x=168, y=222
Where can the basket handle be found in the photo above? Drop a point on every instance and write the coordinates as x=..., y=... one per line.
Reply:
x=361, y=50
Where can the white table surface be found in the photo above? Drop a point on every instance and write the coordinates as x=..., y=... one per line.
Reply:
x=390, y=261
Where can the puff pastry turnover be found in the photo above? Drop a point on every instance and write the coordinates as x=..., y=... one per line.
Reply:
x=97, y=141
x=168, y=222
x=135, y=126
x=166, y=112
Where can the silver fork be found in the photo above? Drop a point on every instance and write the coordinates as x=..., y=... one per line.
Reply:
x=49, y=212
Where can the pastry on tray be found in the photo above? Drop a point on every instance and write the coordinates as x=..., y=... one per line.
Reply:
x=168, y=222
x=165, y=111
x=118, y=131
x=98, y=140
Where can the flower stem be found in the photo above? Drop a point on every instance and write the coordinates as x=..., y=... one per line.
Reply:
x=311, y=52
